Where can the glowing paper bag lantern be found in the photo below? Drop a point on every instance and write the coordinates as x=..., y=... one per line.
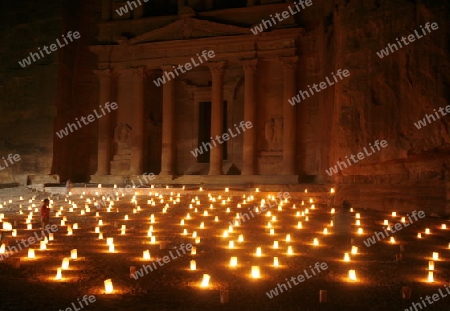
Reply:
x=193, y=265
x=258, y=252
x=31, y=253
x=231, y=244
x=352, y=275
x=430, y=277
x=58, y=274
x=290, y=250
x=205, y=280
x=65, y=264
x=74, y=254
x=7, y=226
x=108, y=286
x=256, y=273
x=233, y=262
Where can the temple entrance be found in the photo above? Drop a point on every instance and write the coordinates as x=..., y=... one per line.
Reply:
x=204, y=131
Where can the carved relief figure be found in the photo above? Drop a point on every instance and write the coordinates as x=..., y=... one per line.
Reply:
x=122, y=135
x=273, y=132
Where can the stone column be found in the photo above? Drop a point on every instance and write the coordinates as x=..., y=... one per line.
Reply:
x=215, y=160
x=137, y=141
x=249, y=148
x=124, y=96
x=289, y=166
x=104, y=124
x=167, y=155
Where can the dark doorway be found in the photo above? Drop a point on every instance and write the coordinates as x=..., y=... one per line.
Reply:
x=204, y=131
x=160, y=7
x=229, y=4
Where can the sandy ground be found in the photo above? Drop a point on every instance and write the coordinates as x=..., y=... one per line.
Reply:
x=172, y=286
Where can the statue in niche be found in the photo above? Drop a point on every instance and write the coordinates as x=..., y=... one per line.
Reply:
x=273, y=131
x=122, y=135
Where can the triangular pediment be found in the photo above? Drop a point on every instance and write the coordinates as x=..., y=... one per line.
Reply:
x=189, y=28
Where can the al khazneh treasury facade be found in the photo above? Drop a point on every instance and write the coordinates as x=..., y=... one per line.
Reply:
x=251, y=78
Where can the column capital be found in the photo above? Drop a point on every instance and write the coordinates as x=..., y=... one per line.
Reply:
x=216, y=68
x=139, y=71
x=167, y=67
x=103, y=74
x=289, y=63
x=249, y=64
x=124, y=71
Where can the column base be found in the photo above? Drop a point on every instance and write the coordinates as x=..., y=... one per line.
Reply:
x=165, y=173
x=248, y=173
x=106, y=179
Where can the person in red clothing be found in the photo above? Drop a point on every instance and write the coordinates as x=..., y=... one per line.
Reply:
x=45, y=213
